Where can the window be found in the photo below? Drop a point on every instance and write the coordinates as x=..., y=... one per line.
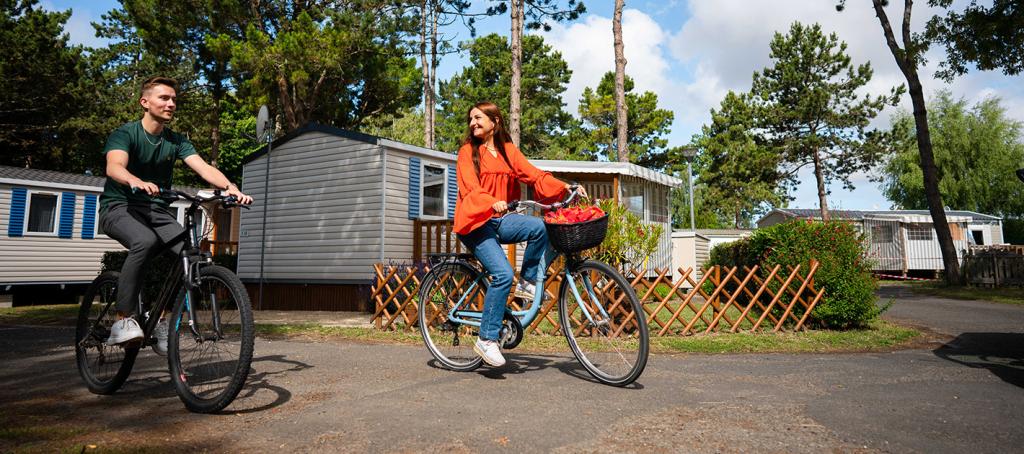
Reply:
x=633, y=198
x=42, y=212
x=919, y=232
x=659, y=204
x=434, y=194
x=978, y=236
x=881, y=234
x=96, y=222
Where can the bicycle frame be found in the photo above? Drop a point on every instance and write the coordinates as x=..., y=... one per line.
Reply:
x=472, y=318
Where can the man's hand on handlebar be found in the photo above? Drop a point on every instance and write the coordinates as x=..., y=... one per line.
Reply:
x=145, y=186
x=242, y=198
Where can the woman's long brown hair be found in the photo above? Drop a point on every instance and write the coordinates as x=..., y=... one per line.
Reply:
x=501, y=136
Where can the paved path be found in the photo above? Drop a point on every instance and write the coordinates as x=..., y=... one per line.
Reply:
x=345, y=396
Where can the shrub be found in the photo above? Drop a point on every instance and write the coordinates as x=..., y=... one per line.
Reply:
x=843, y=271
x=154, y=271
x=629, y=239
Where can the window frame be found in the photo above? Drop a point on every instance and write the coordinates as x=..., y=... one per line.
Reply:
x=28, y=213
x=444, y=191
x=96, y=223
x=888, y=228
x=918, y=230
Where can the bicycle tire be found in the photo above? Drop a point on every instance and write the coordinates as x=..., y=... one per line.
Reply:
x=205, y=377
x=104, y=368
x=613, y=349
x=444, y=339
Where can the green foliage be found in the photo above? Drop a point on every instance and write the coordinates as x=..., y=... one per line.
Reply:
x=1013, y=231
x=405, y=126
x=844, y=271
x=39, y=75
x=629, y=242
x=738, y=171
x=808, y=104
x=976, y=151
x=987, y=37
x=647, y=124
x=488, y=78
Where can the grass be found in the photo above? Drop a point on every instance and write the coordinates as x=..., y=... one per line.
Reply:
x=880, y=335
x=1004, y=295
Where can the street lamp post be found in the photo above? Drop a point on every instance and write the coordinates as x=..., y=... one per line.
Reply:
x=689, y=153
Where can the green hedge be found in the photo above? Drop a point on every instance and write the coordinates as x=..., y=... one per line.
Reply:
x=844, y=271
x=154, y=271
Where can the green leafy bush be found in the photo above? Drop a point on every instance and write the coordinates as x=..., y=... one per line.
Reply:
x=629, y=240
x=154, y=271
x=844, y=271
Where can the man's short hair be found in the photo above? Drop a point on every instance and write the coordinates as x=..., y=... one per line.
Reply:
x=157, y=80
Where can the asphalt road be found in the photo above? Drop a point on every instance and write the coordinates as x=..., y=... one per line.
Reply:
x=962, y=394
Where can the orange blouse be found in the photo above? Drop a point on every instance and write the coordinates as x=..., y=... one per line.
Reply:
x=496, y=182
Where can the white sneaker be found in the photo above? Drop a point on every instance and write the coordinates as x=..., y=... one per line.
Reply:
x=123, y=331
x=160, y=332
x=525, y=290
x=489, y=351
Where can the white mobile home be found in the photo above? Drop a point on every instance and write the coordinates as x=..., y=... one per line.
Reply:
x=49, y=229
x=340, y=202
x=902, y=241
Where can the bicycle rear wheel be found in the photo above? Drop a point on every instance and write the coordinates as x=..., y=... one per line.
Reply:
x=604, y=323
x=209, y=356
x=451, y=343
x=104, y=368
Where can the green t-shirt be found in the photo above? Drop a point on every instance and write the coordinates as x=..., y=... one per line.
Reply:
x=151, y=158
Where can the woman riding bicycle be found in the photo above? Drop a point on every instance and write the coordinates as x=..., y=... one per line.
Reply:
x=490, y=168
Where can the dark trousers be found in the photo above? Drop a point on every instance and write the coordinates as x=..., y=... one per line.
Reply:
x=144, y=229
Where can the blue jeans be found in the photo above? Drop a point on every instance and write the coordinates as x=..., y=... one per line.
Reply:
x=485, y=242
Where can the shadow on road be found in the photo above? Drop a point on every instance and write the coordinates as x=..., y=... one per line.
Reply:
x=520, y=364
x=262, y=381
x=1000, y=353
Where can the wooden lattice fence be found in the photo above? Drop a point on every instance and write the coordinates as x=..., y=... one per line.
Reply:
x=722, y=300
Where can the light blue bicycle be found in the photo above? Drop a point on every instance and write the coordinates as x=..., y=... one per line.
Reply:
x=599, y=312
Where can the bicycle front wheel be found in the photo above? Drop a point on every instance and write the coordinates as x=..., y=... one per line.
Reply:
x=210, y=342
x=104, y=368
x=604, y=323
x=451, y=343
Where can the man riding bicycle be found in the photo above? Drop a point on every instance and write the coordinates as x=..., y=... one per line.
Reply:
x=140, y=158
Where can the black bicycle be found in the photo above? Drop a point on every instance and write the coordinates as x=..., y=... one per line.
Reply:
x=210, y=332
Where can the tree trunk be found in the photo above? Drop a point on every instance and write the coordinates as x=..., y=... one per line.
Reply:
x=908, y=65
x=218, y=97
x=517, y=70
x=820, y=177
x=430, y=110
x=426, y=74
x=621, y=110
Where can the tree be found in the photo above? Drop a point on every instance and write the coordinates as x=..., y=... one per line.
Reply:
x=988, y=38
x=487, y=79
x=647, y=124
x=434, y=14
x=405, y=126
x=976, y=149
x=532, y=14
x=621, y=109
x=908, y=58
x=737, y=169
x=336, y=66
x=39, y=73
x=810, y=108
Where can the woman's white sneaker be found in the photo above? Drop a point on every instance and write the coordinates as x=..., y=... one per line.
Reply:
x=124, y=331
x=489, y=351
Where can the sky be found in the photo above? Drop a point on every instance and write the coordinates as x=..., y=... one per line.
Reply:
x=691, y=53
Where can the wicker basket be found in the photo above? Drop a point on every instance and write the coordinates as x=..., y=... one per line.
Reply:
x=569, y=238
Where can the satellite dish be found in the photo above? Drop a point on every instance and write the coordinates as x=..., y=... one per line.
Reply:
x=262, y=123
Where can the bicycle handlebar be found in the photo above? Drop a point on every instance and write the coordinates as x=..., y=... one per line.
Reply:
x=203, y=196
x=516, y=204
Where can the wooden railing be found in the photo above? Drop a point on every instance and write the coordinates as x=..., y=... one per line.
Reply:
x=996, y=267
x=430, y=237
x=723, y=299
x=219, y=247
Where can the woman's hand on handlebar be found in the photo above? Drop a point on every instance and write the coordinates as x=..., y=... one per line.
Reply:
x=500, y=206
x=578, y=188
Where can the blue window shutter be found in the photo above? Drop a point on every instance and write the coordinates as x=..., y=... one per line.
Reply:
x=16, y=224
x=414, y=188
x=453, y=191
x=89, y=217
x=67, y=215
